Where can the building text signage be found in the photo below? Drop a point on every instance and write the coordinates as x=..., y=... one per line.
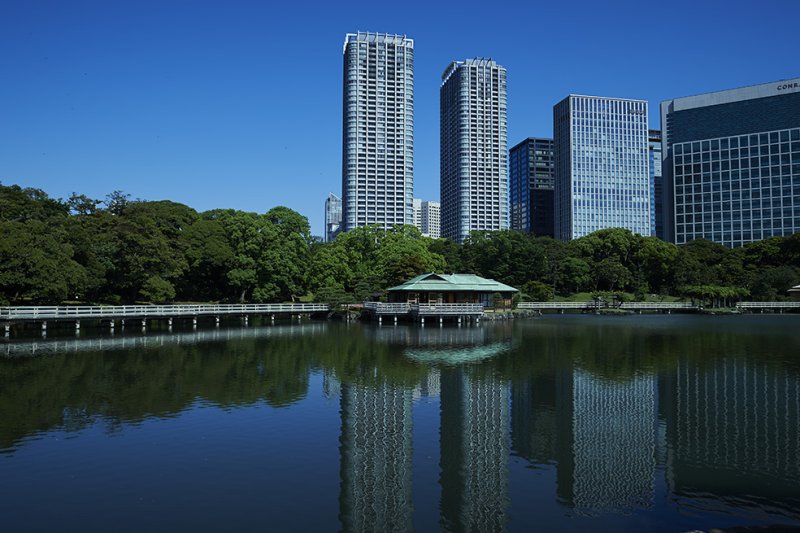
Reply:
x=787, y=86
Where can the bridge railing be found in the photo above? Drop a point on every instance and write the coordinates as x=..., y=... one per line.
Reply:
x=71, y=312
x=449, y=309
x=402, y=308
x=658, y=305
x=561, y=305
x=384, y=308
x=768, y=305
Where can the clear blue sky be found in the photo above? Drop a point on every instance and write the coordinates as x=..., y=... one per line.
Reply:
x=238, y=104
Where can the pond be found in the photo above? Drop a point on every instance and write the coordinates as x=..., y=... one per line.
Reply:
x=559, y=423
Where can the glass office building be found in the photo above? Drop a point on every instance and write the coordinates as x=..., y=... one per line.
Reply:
x=474, y=148
x=333, y=217
x=378, y=130
x=602, y=173
x=656, y=184
x=530, y=176
x=732, y=164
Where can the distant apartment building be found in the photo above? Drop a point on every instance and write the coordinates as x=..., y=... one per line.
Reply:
x=474, y=148
x=656, y=184
x=530, y=175
x=731, y=163
x=602, y=174
x=333, y=217
x=378, y=130
x=431, y=219
x=416, y=219
x=427, y=217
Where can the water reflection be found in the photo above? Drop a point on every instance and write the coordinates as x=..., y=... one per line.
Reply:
x=733, y=428
x=474, y=450
x=612, y=443
x=376, y=450
x=41, y=347
x=707, y=411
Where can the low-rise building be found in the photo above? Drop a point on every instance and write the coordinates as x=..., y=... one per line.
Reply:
x=434, y=288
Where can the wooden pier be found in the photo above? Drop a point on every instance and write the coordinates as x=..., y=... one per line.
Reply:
x=421, y=312
x=142, y=313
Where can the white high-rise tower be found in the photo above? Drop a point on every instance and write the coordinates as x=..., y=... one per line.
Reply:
x=474, y=148
x=378, y=130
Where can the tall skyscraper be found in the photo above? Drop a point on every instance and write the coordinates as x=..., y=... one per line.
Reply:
x=474, y=148
x=427, y=217
x=732, y=164
x=333, y=217
x=602, y=175
x=378, y=132
x=656, y=184
x=531, y=182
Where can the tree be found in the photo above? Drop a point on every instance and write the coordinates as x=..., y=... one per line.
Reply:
x=287, y=253
x=248, y=235
x=698, y=263
x=511, y=257
x=329, y=267
x=36, y=264
x=18, y=204
x=771, y=284
x=451, y=253
x=653, y=262
x=151, y=243
x=537, y=291
x=209, y=258
x=82, y=205
x=610, y=274
x=157, y=290
x=576, y=274
x=404, y=254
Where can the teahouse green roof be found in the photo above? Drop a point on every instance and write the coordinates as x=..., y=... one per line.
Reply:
x=453, y=283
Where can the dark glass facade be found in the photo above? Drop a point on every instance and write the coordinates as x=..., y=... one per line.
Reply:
x=656, y=184
x=531, y=183
x=732, y=164
x=735, y=118
x=738, y=189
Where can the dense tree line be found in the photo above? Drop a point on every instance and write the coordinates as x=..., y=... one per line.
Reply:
x=119, y=250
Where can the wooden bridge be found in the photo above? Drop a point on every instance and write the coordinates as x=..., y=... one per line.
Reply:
x=143, y=313
x=597, y=305
x=773, y=307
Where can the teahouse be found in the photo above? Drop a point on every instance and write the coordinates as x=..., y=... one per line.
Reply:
x=794, y=292
x=433, y=288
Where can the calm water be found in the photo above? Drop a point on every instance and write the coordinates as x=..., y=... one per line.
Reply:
x=662, y=423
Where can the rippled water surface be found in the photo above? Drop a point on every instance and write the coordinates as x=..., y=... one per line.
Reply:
x=561, y=423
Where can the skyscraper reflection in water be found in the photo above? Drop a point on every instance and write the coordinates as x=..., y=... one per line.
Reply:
x=613, y=442
x=474, y=450
x=376, y=452
x=733, y=433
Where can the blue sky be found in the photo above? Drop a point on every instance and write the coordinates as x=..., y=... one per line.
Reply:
x=238, y=104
